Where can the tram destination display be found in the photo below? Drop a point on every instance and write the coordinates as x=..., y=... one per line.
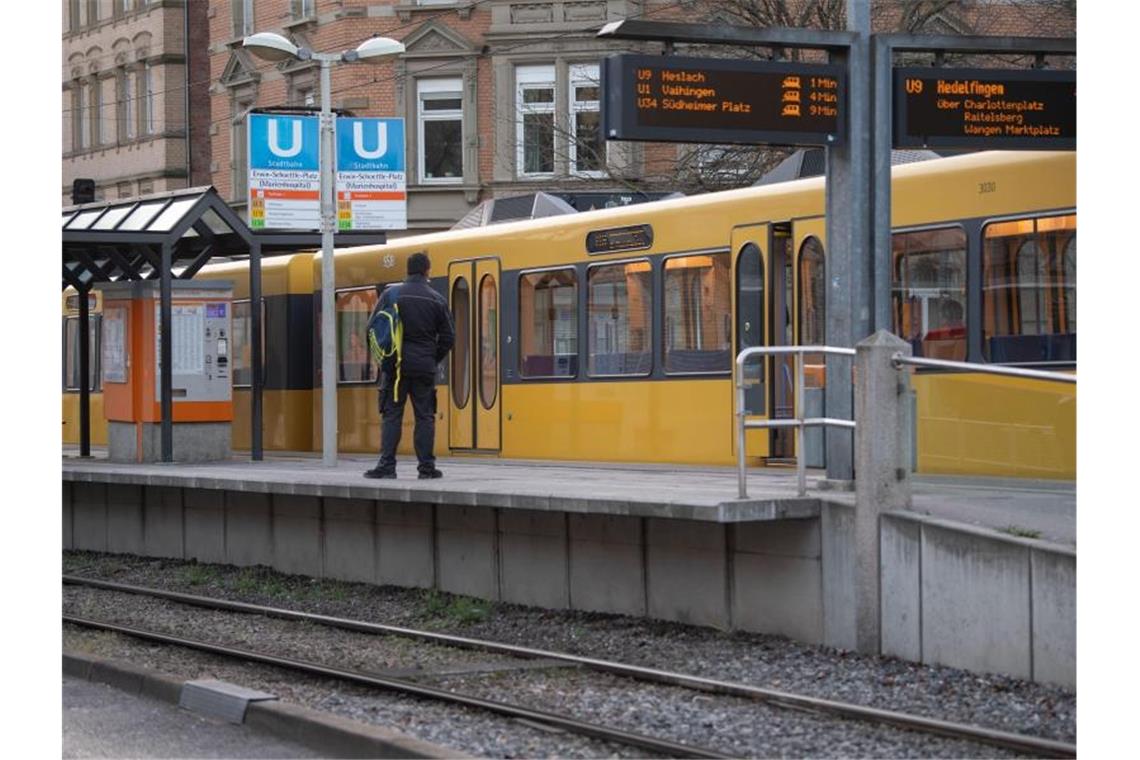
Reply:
x=985, y=109
x=712, y=100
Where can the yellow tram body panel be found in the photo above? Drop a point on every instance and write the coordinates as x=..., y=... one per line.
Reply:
x=282, y=415
x=675, y=421
x=1002, y=426
x=71, y=420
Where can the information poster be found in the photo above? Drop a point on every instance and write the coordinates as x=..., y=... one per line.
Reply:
x=114, y=345
x=284, y=172
x=371, y=177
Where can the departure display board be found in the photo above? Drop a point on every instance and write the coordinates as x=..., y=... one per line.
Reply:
x=985, y=109
x=713, y=100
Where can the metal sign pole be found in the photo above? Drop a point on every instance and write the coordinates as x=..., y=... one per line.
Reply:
x=328, y=269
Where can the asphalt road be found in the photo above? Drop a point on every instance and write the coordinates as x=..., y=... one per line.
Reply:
x=101, y=721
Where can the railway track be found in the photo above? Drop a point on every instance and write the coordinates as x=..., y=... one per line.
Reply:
x=1021, y=743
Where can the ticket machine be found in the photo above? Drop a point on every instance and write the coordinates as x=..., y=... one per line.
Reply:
x=201, y=366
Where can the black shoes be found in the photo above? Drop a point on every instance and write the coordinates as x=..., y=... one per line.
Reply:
x=385, y=473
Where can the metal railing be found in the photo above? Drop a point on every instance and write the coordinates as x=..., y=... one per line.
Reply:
x=799, y=423
x=900, y=359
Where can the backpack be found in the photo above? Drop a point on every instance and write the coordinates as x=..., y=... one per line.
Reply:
x=385, y=331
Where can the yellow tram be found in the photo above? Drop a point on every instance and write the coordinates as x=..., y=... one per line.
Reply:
x=610, y=335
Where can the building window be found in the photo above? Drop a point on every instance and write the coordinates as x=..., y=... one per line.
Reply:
x=440, y=123
x=92, y=12
x=535, y=106
x=619, y=308
x=811, y=308
x=354, y=360
x=130, y=104
x=74, y=23
x=240, y=176
x=929, y=291
x=122, y=7
x=698, y=307
x=82, y=133
x=303, y=8
x=243, y=17
x=1029, y=295
x=146, y=98
x=304, y=96
x=587, y=143
x=96, y=112
x=548, y=324
x=123, y=189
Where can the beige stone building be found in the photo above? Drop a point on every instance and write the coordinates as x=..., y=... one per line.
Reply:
x=135, y=108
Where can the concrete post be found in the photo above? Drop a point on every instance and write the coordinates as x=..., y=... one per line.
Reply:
x=882, y=468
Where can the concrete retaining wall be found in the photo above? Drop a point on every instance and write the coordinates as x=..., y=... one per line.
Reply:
x=951, y=594
x=760, y=576
x=978, y=599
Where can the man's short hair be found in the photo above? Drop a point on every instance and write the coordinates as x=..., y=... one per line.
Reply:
x=418, y=263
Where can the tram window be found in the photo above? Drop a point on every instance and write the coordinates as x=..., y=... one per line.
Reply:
x=488, y=342
x=619, y=311
x=548, y=324
x=1029, y=296
x=811, y=309
x=697, y=313
x=71, y=356
x=460, y=354
x=243, y=344
x=354, y=361
x=929, y=291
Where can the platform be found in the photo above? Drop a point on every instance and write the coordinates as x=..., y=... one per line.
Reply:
x=1038, y=508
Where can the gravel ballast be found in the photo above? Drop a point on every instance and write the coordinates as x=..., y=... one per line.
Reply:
x=734, y=726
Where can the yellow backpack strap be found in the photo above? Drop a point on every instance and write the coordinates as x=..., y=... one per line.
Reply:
x=397, y=346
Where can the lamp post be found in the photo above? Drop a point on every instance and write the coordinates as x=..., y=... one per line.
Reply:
x=274, y=47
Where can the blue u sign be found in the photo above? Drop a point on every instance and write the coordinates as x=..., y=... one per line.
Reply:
x=369, y=145
x=284, y=142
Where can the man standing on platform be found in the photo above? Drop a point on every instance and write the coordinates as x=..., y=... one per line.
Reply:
x=428, y=335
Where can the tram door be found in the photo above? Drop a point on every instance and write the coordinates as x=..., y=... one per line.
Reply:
x=473, y=395
x=749, y=258
x=781, y=381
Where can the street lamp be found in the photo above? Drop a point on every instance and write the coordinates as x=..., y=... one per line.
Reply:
x=274, y=47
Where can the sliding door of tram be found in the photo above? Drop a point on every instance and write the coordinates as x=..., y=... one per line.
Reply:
x=749, y=267
x=806, y=246
x=474, y=422
x=781, y=380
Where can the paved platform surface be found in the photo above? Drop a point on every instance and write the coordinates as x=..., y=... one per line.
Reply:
x=101, y=721
x=1039, y=509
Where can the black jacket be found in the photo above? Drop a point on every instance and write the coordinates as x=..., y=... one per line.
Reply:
x=428, y=330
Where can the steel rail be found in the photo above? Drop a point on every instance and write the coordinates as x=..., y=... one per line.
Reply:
x=1034, y=745
x=900, y=359
x=598, y=731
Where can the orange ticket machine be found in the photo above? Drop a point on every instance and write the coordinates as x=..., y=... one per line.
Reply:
x=201, y=370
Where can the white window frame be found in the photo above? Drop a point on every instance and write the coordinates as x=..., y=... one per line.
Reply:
x=534, y=77
x=437, y=89
x=302, y=9
x=585, y=74
x=246, y=10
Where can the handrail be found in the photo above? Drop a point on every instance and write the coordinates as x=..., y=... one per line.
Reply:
x=900, y=359
x=797, y=422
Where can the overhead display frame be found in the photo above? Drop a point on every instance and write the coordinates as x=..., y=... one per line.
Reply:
x=715, y=100
x=990, y=109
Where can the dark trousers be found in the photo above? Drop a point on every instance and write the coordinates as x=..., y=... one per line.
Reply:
x=422, y=390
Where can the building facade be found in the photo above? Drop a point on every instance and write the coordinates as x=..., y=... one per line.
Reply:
x=135, y=96
x=499, y=97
